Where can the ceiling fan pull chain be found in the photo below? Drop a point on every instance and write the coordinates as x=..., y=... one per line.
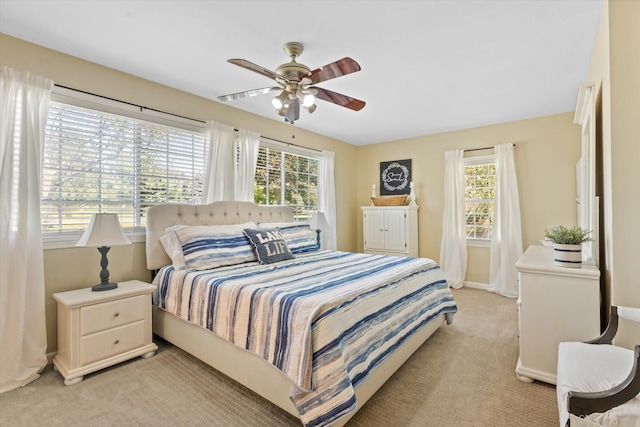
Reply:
x=293, y=131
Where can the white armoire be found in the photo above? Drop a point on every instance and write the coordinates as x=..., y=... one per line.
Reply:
x=390, y=230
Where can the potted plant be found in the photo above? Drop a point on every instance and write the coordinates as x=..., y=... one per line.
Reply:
x=567, y=244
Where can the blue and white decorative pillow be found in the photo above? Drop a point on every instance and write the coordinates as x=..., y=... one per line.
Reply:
x=211, y=246
x=298, y=235
x=269, y=245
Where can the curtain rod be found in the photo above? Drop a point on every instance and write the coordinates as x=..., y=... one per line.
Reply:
x=142, y=107
x=291, y=143
x=483, y=148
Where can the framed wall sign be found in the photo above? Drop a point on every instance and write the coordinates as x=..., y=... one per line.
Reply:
x=395, y=177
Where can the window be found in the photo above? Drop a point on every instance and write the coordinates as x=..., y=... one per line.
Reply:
x=287, y=178
x=96, y=160
x=106, y=156
x=479, y=194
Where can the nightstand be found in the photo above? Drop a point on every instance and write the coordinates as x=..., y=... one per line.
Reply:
x=99, y=329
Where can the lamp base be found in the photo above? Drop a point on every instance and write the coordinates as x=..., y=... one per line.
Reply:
x=104, y=287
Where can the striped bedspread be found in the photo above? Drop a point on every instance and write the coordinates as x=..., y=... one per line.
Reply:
x=325, y=319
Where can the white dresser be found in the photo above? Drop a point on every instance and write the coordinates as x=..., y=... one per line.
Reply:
x=555, y=304
x=390, y=230
x=100, y=329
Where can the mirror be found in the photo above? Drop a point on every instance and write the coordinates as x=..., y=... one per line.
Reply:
x=586, y=200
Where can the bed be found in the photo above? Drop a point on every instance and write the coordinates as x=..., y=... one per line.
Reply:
x=315, y=332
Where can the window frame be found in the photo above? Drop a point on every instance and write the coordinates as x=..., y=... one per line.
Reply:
x=471, y=161
x=67, y=239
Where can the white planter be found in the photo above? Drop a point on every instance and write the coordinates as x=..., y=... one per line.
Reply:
x=567, y=255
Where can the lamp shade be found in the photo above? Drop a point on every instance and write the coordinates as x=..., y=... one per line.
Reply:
x=103, y=230
x=318, y=221
x=279, y=101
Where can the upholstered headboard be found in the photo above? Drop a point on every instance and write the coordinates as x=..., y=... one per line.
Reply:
x=217, y=213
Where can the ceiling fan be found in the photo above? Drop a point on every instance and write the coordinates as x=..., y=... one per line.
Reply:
x=296, y=84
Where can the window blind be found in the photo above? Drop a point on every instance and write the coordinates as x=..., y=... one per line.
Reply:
x=99, y=161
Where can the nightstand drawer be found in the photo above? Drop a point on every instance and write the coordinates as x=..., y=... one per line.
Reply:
x=108, y=315
x=102, y=345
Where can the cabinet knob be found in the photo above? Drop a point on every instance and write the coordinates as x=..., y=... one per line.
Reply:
x=116, y=342
x=116, y=315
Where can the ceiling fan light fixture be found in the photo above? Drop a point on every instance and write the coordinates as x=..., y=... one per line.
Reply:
x=311, y=108
x=308, y=100
x=279, y=101
x=283, y=110
x=293, y=112
x=306, y=97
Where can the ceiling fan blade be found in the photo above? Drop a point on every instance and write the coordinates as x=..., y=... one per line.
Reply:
x=249, y=93
x=256, y=68
x=338, y=99
x=338, y=68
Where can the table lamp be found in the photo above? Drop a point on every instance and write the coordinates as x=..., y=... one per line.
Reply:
x=103, y=232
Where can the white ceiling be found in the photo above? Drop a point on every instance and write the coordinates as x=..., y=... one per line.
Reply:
x=427, y=66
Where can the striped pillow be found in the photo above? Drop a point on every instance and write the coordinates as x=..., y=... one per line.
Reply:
x=298, y=235
x=172, y=246
x=211, y=246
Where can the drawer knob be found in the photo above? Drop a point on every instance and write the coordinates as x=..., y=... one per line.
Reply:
x=116, y=342
x=116, y=315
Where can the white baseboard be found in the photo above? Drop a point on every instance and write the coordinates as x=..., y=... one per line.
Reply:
x=476, y=285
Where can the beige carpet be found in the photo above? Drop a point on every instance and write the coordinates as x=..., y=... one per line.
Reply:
x=463, y=376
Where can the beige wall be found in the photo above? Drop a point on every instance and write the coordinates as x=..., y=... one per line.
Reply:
x=74, y=268
x=615, y=68
x=546, y=153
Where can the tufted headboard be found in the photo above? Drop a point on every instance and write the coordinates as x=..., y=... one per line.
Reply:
x=217, y=213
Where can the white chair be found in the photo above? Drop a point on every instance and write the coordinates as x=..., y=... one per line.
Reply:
x=598, y=384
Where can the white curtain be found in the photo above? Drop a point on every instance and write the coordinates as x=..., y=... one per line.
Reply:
x=23, y=116
x=219, y=182
x=453, y=247
x=327, y=202
x=506, y=236
x=248, y=147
